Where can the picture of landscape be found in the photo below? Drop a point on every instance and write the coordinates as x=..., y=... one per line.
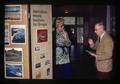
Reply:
x=14, y=70
x=13, y=54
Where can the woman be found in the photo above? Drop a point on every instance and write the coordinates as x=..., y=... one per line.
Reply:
x=63, y=67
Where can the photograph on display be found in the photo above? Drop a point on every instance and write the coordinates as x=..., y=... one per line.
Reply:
x=7, y=36
x=17, y=34
x=42, y=35
x=48, y=71
x=42, y=55
x=47, y=62
x=13, y=12
x=38, y=75
x=13, y=54
x=37, y=48
x=14, y=71
x=37, y=65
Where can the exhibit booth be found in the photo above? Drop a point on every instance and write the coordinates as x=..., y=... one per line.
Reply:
x=28, y=42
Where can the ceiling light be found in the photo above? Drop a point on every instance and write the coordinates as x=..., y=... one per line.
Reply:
x=66, y=11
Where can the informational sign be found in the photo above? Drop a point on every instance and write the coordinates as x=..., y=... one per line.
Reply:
x=41, y=41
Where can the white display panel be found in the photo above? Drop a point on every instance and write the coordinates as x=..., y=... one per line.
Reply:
x=41, y=41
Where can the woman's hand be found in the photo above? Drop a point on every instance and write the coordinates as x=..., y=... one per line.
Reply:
x=65, y=34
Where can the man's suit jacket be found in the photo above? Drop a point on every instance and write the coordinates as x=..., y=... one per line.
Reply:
x=104, y=50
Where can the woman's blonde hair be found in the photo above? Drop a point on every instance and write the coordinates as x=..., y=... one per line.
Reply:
x=60, y=19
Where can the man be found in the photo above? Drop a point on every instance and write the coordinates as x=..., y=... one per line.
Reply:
x=104, y=50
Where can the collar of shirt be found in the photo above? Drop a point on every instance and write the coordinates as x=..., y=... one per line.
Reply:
x=102, y=35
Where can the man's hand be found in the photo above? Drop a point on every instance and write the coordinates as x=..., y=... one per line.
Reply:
x=90, y=41
x=91, y=53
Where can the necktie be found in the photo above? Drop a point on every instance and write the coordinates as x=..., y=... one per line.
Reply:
x=99, y=39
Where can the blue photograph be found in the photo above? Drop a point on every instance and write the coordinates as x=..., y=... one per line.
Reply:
x=14, y=70
x=38, y=65
x=12, y=8
x=18, y=35
x=12, y=12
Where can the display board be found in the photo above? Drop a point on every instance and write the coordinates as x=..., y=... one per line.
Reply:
x=16, y=52
x=41, y=41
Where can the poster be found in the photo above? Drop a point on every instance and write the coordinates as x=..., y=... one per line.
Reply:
x=7, y=35
x=42, y=35
x=13, y=54
x=13, y=12
x=14, y=70
x=41, y=41
x=18, y=34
